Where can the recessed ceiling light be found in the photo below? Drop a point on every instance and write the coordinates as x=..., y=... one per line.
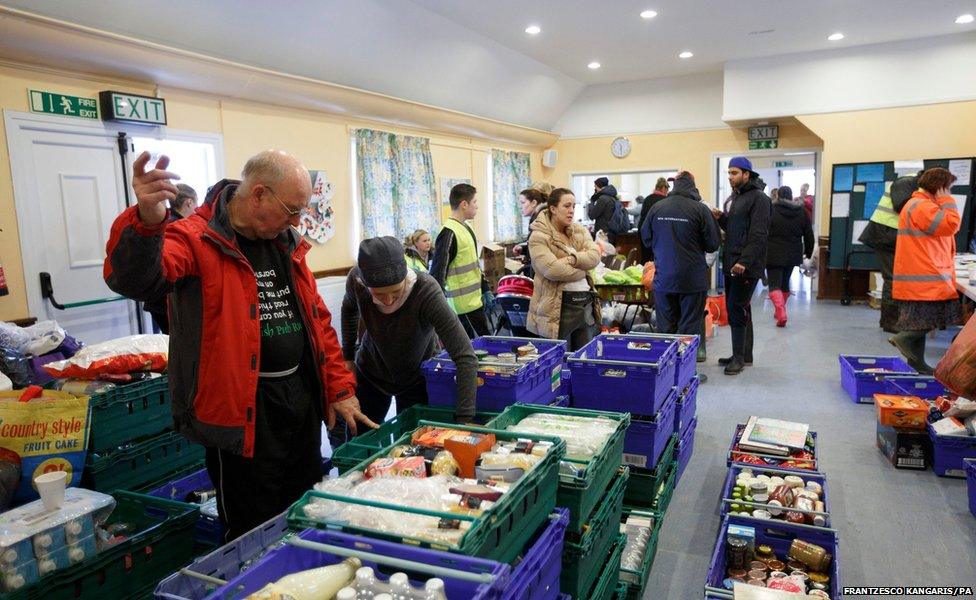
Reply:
x=594, y=65
x=964, y=19
x=533, y=30
x=835, y=37
x=686, y=54
x=648, y=14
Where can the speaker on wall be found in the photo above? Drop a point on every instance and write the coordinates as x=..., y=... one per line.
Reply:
x=549, y=158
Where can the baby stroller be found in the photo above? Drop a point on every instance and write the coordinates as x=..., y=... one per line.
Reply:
x=512, y=305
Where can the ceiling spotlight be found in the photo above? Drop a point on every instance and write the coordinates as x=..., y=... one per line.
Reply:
x=835, y=37
x=964, y=19
x=686, y=54
x=648, y=14
x=533, y=30
x=594, y=65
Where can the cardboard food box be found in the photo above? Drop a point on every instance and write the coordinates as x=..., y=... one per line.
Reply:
x=909, y=412
x=493, y=263
x=905, y=448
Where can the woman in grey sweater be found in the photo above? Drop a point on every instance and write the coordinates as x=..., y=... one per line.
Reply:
x=400, y=315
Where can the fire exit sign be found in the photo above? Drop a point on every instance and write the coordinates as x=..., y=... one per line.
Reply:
x=132, y=108
x=53, y=103
x=763, y=144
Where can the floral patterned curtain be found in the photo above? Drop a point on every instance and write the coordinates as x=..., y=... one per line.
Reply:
x=396, y=176
x=509, y=176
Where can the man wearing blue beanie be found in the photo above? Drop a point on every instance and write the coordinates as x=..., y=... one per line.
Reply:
x=746, y=227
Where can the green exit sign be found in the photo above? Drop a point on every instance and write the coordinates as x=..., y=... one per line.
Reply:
x=53, y=103
x=764, y=144
x=132, y=108
x=782, y=163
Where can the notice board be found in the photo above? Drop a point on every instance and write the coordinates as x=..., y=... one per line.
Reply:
x=856, y=188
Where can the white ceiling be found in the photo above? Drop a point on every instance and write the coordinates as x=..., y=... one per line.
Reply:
x=473, y=55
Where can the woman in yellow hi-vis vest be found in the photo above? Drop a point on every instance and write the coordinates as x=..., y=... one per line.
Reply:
x=925, y=272
x=455, y=265
x=417, y=251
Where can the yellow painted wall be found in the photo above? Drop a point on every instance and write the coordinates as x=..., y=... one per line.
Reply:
x=931, y=131
x=691, y=150
x=320, y=140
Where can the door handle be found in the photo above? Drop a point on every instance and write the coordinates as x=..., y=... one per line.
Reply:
x=47, y=292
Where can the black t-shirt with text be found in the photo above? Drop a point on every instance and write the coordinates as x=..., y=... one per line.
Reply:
x=282, y=333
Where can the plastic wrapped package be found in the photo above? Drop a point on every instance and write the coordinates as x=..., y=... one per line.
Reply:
x=115, y=357
x=585, y=437
x=43, y=337
x=14, y=365
x=638, y=529
x=5, y=383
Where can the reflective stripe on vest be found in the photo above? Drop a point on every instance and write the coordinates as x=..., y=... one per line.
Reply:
x=463, y=284
x=885, y=213
x=918, y=271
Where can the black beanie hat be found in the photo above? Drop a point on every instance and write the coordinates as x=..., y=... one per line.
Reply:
x=381, y=262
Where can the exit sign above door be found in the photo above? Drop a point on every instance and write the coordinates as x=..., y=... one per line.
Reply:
x=54, y=103
x=132, y=108
x=763, y=132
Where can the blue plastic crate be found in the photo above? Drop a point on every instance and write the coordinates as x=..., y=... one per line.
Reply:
x=535, y=383
x=687, y=406
x=686, y=366
x=686, y=446
x=864, y=376
x=209, y=531
x=923, y=386
x=775, y=462
x=949, y=453
x=195, y=582
x=536, y=576
x=624, y=373
x=725, y=504
x=492, y=577
x=971, y=482
x=646, y=440
x=778, y=535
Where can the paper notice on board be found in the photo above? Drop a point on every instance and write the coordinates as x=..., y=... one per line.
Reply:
x=872, y=196
x=859, y=188
x=858, y=230
x=840, y=206
x=843, y=179
x=870, y=172
x=960, y=203
x=963, y=170
x=908, y=167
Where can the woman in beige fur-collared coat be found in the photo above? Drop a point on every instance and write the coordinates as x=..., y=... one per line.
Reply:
x=563, y=304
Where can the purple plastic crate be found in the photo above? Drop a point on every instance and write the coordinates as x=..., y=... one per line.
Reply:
x=209, y=531
x=778, y=535
x=535, y=383
x=287, y=559
x=949, y=453
x=646, y=440
x=687, y=405
x=686, y=446
x=223, y=563
x=536, y=577
x=971, y=482
x=611, y=373
x=686, y=366
x=860, y=383
x=922, y=386
x=773, y=462
x=735, y=470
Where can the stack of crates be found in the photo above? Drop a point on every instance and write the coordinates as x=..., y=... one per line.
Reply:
x=132, y=445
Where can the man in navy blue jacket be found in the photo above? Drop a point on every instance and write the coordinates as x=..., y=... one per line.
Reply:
x=679, y=230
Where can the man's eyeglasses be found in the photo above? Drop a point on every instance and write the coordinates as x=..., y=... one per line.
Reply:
x=288, y=211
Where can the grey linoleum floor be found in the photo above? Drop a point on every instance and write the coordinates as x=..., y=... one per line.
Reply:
x=896, y=527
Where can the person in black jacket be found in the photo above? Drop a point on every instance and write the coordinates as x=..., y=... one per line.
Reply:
x=532, y=202
x=660, y=191
x=746, y=226
x=601, y=206
x=680, y=230
x=790, y=239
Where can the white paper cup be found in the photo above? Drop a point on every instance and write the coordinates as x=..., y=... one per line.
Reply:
x=51, y=488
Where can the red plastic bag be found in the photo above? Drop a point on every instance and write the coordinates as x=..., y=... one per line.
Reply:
x=957, y=369
x=115, y=357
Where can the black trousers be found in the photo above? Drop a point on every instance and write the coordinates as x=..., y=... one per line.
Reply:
x=375, y=404
x=577, y=319
x=778, y=278
x=738, y=297
x=475, y=323
x=287, y=459
x=680, y=313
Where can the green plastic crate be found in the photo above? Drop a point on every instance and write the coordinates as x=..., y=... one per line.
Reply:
x=129, y=412
x=634, y=581
x=578, y=494
x=621, y=591
x=500, y=533
x=643, y=486
x=364, y=445
x=163, y=543
x=666, y=491
x=583, y=562
x=141, y=463
x=607, y=586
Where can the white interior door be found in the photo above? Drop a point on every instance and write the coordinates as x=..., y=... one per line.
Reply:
x=68, y=188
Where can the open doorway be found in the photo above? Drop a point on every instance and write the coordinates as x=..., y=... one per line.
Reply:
x=630, y=186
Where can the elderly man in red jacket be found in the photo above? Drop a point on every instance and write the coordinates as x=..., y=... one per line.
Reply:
x=255, y=364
